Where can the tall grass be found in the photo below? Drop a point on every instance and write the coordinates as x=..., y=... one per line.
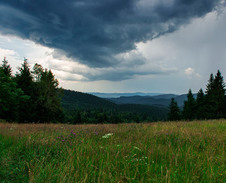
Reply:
x=156, y=152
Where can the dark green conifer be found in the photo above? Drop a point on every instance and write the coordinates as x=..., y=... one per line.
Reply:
x=215, y=94
x=174, y=111
x=6, y=67
x=10, y=95
x=200, y=105
x=209, y=99
x=210, y=85
x=24, y=80
x=189, y=107
x=219, y=94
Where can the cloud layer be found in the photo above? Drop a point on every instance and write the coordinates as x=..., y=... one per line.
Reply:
x=103, y=33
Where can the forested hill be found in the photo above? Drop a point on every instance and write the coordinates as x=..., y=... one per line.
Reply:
x=78, y=101
x=74, y=100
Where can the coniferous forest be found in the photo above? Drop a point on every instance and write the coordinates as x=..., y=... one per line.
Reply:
x=33, y=96
x=30, y=95
x=208, y=105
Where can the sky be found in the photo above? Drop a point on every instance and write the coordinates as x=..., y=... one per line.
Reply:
x=153, y=46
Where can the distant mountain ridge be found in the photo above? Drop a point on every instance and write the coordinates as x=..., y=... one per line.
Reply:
x=162, y=100
x=116, y=95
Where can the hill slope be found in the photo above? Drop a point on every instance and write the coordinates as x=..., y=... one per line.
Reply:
x=73, y=100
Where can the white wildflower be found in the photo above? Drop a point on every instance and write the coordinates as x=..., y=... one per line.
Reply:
x=106, y=136
x=137, y=148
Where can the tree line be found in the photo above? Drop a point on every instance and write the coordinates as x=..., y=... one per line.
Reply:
x=30, y=95
x=208, y=105
x=33, y=96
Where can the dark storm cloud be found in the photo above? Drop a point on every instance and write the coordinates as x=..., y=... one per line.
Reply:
x=94, y=32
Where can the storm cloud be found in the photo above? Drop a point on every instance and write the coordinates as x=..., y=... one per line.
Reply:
x=98, y=33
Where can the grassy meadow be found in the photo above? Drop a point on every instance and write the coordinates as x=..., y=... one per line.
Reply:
x=154, y=152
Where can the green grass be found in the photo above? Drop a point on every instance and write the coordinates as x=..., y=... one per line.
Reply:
x=156, y=152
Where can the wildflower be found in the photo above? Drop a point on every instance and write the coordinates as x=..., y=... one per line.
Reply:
x=106, y=136
x=73, y=133
x=137, y=148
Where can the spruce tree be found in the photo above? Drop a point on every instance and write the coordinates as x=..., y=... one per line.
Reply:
x=24, y=78
x=174, y=111
x=215, y=96
x=219, y=94
x=189, y=107
x=6, y=67
x=10, y=95
x=200, y=105
x=24, y=81
x=30, y=96
x=210, y=85
x=209, y=99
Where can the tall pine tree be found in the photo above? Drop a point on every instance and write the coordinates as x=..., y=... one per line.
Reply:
x=200, y=105
x=219, y=94
x=6, y=67
x=189, y=108
x=10, y=95
x=174, y=111
x=210, y=99
x=24, y=80
x=215, y=96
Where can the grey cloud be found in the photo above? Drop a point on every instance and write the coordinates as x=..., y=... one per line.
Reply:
x=95, y=32
x=123, y=74
x=84, y=73
x=112, y=75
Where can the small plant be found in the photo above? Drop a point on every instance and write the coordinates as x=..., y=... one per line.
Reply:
x=106, y=136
